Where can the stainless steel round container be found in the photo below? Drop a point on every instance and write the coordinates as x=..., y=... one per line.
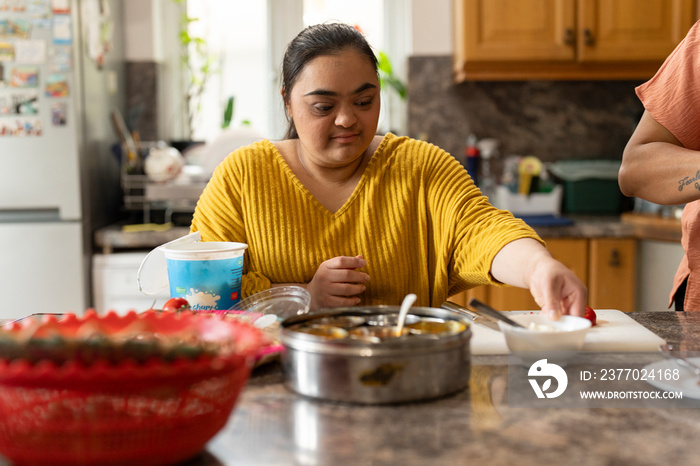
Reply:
x=408, y=368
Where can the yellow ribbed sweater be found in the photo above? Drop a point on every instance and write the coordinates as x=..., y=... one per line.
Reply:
x=415, y=216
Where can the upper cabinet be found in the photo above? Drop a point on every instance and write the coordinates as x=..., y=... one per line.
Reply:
x=566, y=39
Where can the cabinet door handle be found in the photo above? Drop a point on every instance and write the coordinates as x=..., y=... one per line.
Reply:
x=614, y=258
x=569, y=37
x=588, y=37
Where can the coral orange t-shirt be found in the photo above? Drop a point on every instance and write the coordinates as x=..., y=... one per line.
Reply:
x=672, y=97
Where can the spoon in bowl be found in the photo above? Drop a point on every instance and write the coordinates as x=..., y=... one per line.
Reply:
x=403, y=312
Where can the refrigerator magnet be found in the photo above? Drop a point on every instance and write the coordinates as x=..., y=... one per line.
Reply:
x=30, y=51
x=24, y=76
x=56, y=86
x=60, y=59
x=59, y=114
x=40, y=13
x=14, y=28
x=62, y=34
x=60, y=7
x=23, y=103
x=7, y=51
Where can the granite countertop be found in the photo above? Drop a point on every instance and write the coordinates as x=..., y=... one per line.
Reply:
x=588, y=226
x=653, y=226
x=273, y=426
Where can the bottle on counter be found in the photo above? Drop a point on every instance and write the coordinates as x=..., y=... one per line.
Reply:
x=509, y=177
x=472, y=156
x=488, y=150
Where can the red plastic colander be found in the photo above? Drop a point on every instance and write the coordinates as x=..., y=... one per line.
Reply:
x=155, y=412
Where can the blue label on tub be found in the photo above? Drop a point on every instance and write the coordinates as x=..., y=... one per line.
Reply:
x=206, y=284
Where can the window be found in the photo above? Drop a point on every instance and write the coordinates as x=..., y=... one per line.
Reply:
x=367, y=15
x=248, y=38
x=236, y=35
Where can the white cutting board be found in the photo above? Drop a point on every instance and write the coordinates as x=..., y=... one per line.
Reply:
x=616, y=331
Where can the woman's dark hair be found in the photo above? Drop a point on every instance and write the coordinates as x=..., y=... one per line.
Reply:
x=314, y=41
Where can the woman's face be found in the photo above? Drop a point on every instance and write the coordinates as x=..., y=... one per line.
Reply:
x=335, y=108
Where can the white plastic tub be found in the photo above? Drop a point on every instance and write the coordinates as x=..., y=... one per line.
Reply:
x=533, y=204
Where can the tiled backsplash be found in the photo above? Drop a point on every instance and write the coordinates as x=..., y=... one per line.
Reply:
x=552, y=120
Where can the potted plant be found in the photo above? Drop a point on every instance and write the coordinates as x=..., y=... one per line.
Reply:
x=198, y=65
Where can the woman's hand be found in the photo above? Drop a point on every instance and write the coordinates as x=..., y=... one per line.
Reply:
x=556, y=289
x=527, y=264
x=337, y=283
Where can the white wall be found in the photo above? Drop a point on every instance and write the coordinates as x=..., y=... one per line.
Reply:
x=432, y=26
x=139, y=37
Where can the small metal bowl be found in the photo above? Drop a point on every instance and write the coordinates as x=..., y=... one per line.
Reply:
x=433, y=326
x=327, y=332
x=390, y=320
x=376, y=334
x=346, y=322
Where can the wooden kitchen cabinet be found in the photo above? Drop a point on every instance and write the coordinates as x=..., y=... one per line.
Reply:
x=605, y=265
x=566, y=39
x=611, y=276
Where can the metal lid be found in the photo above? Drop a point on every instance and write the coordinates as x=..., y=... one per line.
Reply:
x=404, y=345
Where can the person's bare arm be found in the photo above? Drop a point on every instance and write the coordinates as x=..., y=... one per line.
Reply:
x=656, y=166
x=527, y=264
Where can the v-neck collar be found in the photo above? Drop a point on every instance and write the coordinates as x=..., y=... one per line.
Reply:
x=355, y=193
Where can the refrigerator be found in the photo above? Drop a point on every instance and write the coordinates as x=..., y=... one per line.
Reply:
x=61, y=66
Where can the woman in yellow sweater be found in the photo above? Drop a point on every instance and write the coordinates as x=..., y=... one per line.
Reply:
x=358, y=218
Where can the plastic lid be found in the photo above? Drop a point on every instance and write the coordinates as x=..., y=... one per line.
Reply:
x=152, y=276
x=281, y=301
x=577, y=170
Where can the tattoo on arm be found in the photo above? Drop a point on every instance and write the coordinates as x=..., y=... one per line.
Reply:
x=688, y=180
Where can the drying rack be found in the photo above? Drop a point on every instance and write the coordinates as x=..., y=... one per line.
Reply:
x=141, y=194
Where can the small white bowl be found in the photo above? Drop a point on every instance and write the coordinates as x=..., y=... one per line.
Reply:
x=559, y=341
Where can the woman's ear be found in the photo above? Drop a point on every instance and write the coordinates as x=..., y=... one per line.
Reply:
x=283, y=93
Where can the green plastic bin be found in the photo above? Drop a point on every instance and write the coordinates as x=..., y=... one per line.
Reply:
x=590, y=186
